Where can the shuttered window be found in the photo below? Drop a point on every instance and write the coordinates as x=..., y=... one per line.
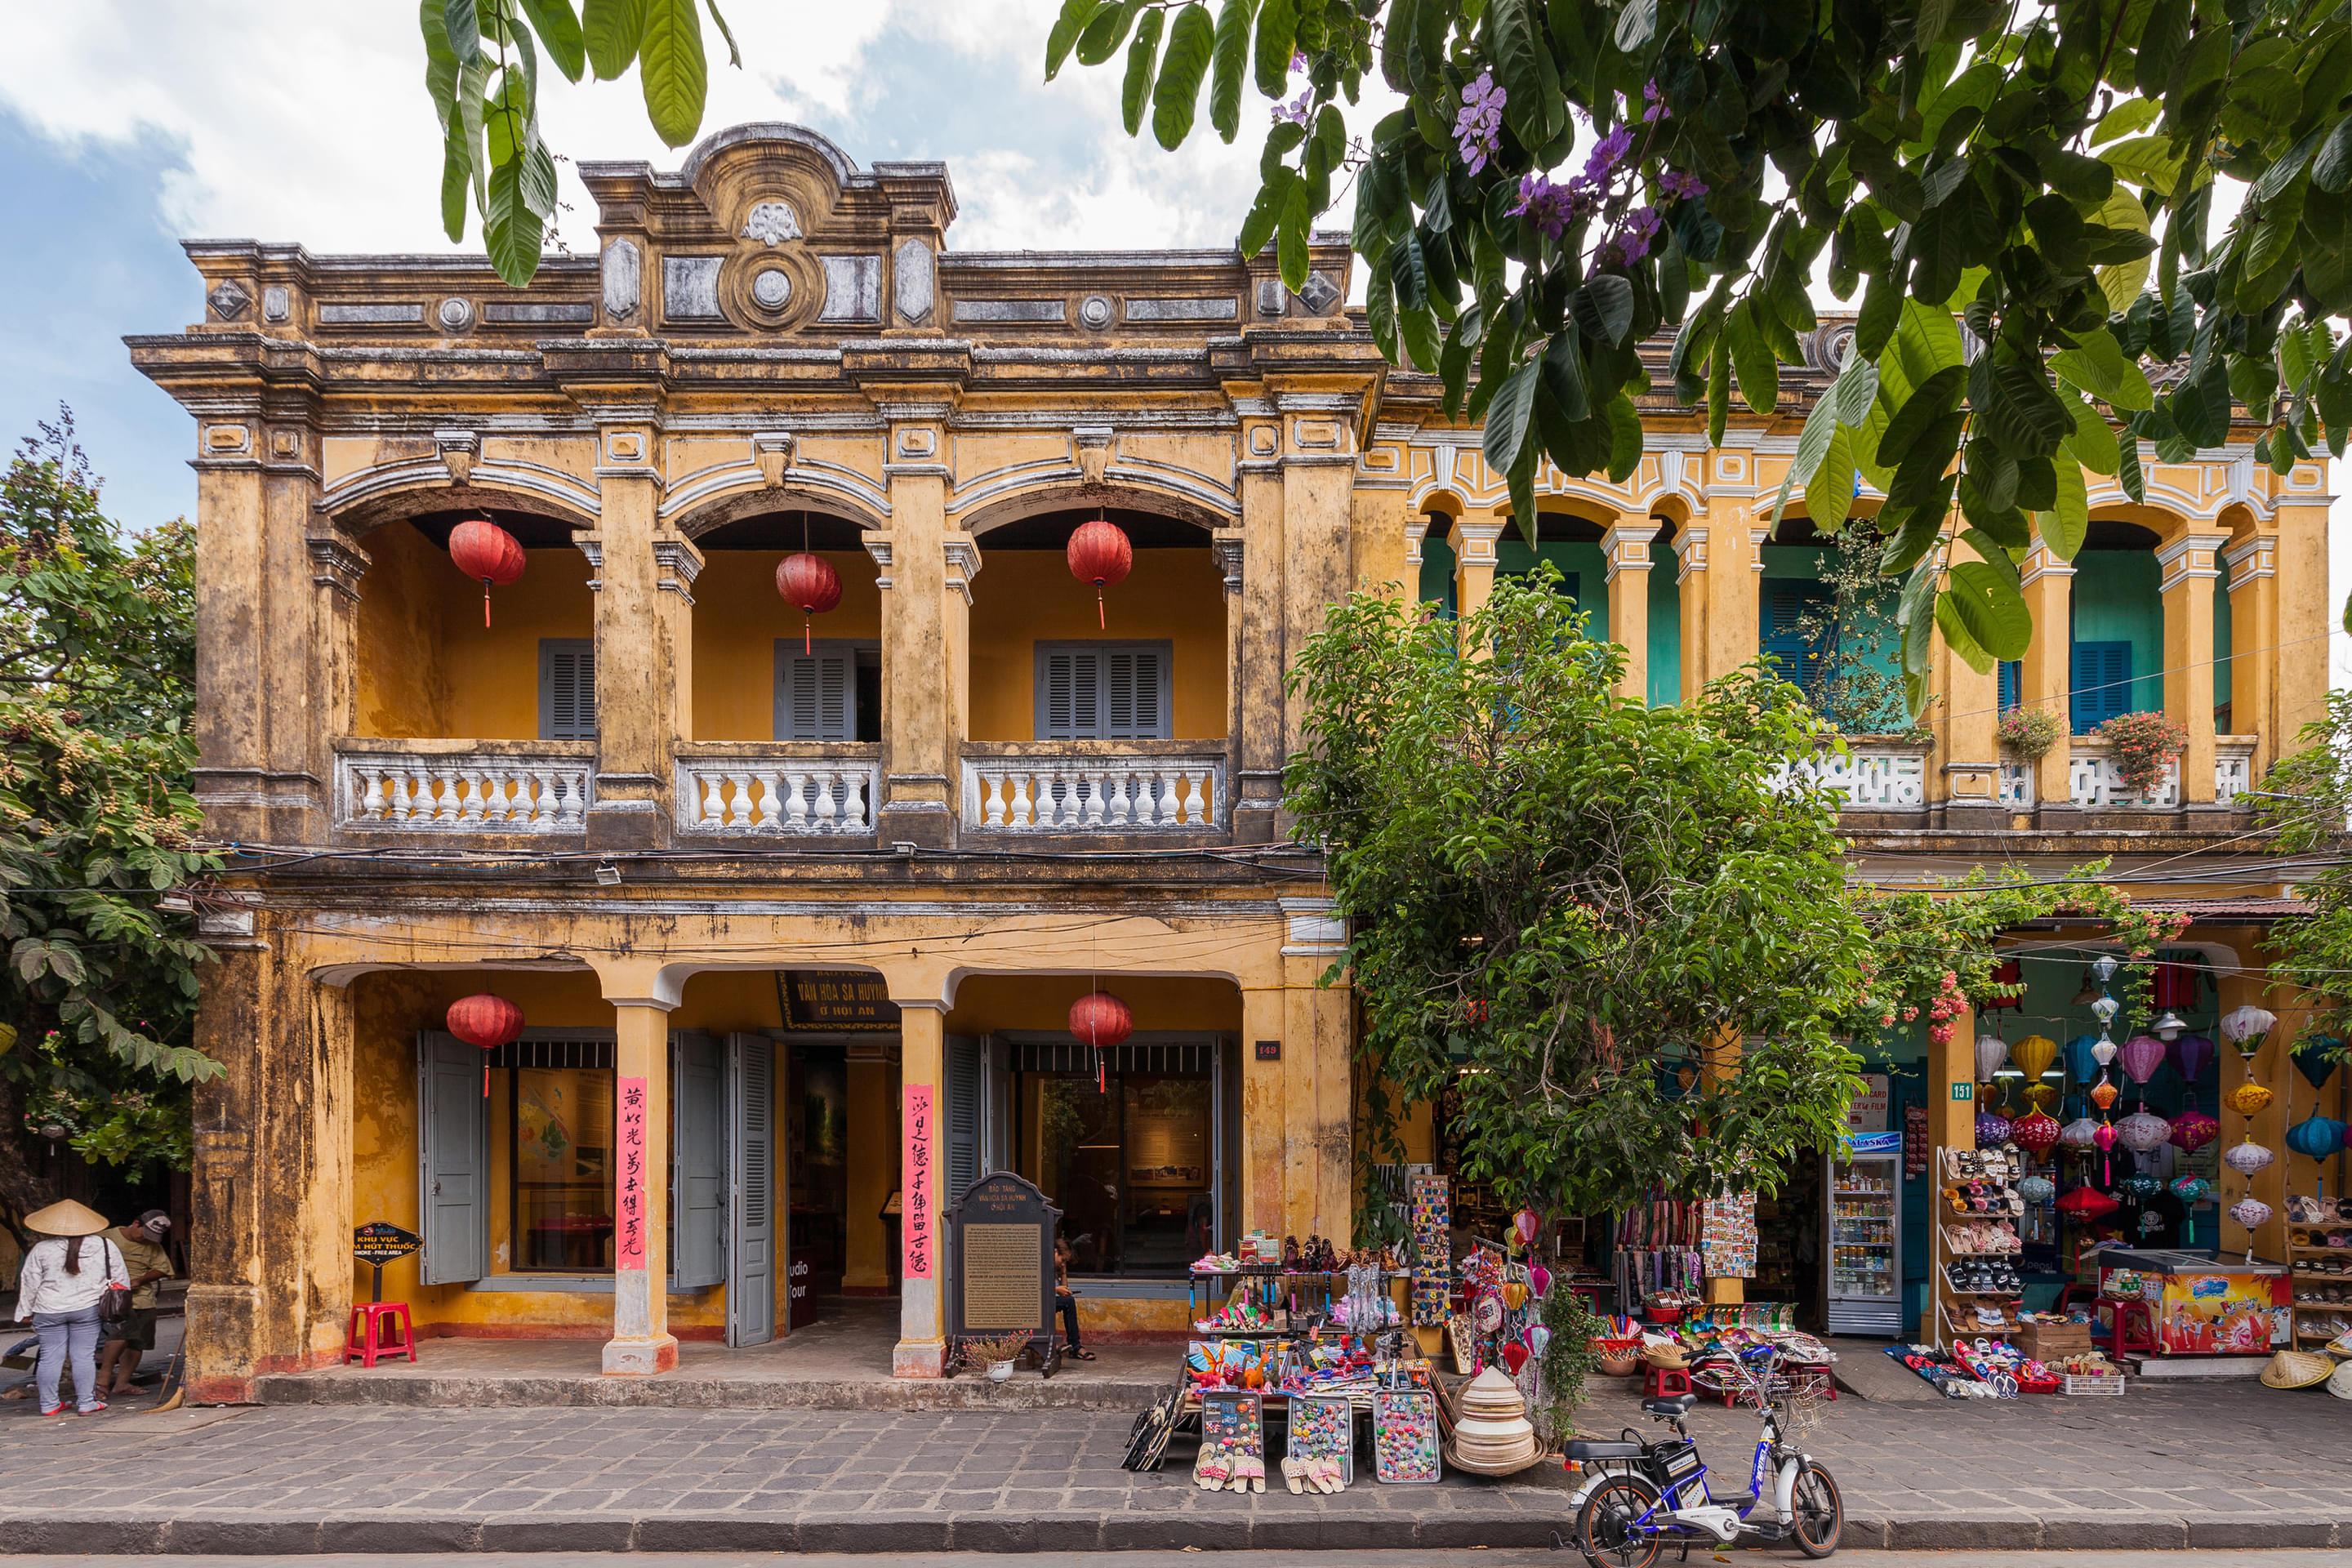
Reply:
x=2103, y=683
x=2011, y=678
x=1783, y=606
x=567, y=688
x=816, y=692
x=1104, y=692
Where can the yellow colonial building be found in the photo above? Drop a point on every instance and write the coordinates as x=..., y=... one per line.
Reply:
x=795, y=907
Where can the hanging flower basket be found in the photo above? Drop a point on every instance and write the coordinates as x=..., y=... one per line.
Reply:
x=2029, y=732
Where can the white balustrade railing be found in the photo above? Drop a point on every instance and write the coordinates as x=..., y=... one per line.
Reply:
x=789, y=796
x=2234, y=767
x=2092, y=779
x=463, y=791
x=1871, y=776
x=2016, y=783
x=1094, y=794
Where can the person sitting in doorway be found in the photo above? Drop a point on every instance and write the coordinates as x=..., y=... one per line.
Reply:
x=1066, y=1299
x=148, y=1264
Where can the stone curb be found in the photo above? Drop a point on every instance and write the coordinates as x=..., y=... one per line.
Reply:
x=1328, y=1530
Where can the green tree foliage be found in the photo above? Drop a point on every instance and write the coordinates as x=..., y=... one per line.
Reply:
x=1579, y=906
x=482, y=60
x=2307, y=801
x=1567, y=177
x=96, y=821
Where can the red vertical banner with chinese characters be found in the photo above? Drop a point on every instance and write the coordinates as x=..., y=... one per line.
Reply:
x=918, y=1219
x=629, y=1231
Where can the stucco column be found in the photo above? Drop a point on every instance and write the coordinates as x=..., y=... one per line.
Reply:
x=1626, y=550
x=2187, y=559
x=925, y=631
x=2252, y=563
x=1964, y=767
x=1317, y=1061
x=1474, y=561
x=922, y=1351
x=1691, y=578
x=2305, y=618
x=2046, y=675
x=636, y=701
x=1266, y=1099
x=1258, y=671
x=641, y=1343
x=1379, y=505
x=2274, y=1069
x=1318, y=476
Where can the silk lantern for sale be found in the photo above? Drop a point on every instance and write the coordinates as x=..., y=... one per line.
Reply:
x=2087, y=1202
x=2080, y=1133
x=2037, y=1189
x=2103, y=1095
x=482, y=550
x=809, y=582
x=1991, y=1052
x=2141, y=1132
x=2315, y=1059
x=2037, y=1133
x=2247, y=1028
x=2193, y=1129
x=2141, y=1055
x=2316, y=1136
x=1992, y=1130
x=2035, y=1054
x=2250, y=1213
x=1100, y=1020
x=2190, y=1055
x=2247, y=1158
x=486, y=1020
x=2248, y=1099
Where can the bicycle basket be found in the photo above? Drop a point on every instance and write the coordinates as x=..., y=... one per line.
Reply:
x=1802, y=1406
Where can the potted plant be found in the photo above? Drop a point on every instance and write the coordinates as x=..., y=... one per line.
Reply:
x=997, y=1353
x=2029, y=732
x=2139, y=744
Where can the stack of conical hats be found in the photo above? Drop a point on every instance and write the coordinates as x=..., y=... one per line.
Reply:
x=1493, y=1434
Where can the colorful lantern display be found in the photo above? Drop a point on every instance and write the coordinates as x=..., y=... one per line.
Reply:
x=2103, y=1095
x=1540, y=1280
x=1100, y=554
x=2315, y=1059
x=486, y=1020
x=1525, y=1224
x=2141, y=1055
x=2035, y=1054
x=2190, y=1055
x=2080, y=1133
x=2248, y=1028
x=1992, y=1130
x=483, y=550
x=2139, y=1186
x=2087, y=1202
x=2316, y=1136
x=1100, y=1020
x=2141, y=1132
x=2248, y=1098
x=2247, y=1158
x=2106, y=1136
x=2192, y=1189
x=2037, y=1133
x=2193, y=1129
x=2037, y=1189
x=810, y=582
x=1991, y=1052
x=2080, y=1063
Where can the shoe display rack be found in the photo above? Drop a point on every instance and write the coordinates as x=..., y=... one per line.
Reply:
x=1974, y=1276
x=2321, y=1278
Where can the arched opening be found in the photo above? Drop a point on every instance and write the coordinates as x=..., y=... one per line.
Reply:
x=1663, y=666
x=427, y=668
x=1827, y=617
x=1570, y=542
x=2115, y=638
x=759, y=673
x=1046, y=666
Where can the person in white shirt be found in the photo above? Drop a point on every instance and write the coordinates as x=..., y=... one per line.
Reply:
x=58, y=1289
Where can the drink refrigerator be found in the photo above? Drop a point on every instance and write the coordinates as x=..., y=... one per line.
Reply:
x=1864, y=1227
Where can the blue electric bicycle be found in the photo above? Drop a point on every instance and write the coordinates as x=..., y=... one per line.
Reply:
x=1652, y=1495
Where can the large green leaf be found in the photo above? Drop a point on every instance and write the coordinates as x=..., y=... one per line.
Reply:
x=1509, y=415
x=511, y=229
x=2331, y=169
x=1075, y=14
x=2099, y=364
x=1959, y=635
x=1142, y=54
x=1829, y=494
x=1991, y=609
x=1231, y=56
x=1604, y=307
x=1277, y=30
x=1751, y=361
x=671, y=70
x=1564, y=373
x=559, y=28
x=462, y=25
x=2065, y=525
x=1174, y=101
x=1926, y=407
x=611, y=30
x=1101, y=36
x=2024, y=417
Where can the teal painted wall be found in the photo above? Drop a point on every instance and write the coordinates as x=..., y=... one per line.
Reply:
x=2116, y=600
x=1803, y=562
x=2223, y=647
x=1666, y=654
x=1437, y=571
x=1580, y=562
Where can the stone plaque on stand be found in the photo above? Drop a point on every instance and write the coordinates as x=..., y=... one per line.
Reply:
x=1000, y=1245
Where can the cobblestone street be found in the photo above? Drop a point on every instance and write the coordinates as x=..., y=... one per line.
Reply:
x=2212, y=1467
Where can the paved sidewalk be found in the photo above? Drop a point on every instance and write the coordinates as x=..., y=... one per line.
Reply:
x=2207, y=1468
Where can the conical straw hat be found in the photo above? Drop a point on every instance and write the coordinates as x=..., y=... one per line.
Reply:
x=66, y=1219
x=2297, y=1368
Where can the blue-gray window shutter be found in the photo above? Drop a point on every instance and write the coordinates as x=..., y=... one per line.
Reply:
x=567, y=688
x=752, y=1186
x=963, y=1114
x=454, y=1159
x=816, y=693
x=1781, y=607
x=2103, y=683
x=1105, y=691
x=698, y=1180
x=2010, y=681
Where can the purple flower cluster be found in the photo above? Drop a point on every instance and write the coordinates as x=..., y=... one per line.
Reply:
x=1632, y=240
x=1297, y=112
x=1552, y=208
x=1675, y=182
x=1607, y=153
x=1656, y=104
x=1478, y=128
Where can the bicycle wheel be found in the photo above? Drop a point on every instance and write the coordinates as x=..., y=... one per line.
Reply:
x=1820, y=1510
x=1606, y=1531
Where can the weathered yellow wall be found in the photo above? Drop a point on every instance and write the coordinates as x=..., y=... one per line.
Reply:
x=985, y=1003
x=1023, y=597
x=427, y=669
x=737, y=616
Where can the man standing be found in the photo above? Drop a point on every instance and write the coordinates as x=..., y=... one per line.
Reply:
x=148, y=1263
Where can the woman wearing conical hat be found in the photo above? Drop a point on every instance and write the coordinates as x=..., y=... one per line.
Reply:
x=59, y=1288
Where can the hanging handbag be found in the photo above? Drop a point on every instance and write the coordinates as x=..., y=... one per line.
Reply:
x=114, y=1301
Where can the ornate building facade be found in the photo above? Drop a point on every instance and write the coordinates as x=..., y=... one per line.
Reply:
x=795, y=906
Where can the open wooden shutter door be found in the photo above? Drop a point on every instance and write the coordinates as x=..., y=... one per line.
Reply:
x=753, y=1184
x=454, y=1157
x=697, y=1185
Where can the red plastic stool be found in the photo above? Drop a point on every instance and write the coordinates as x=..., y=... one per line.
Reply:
x=1664, y=1382
x=367, y=1336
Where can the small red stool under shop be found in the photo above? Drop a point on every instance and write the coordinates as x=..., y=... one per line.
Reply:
x=1664, y=1382
x=367, y=1338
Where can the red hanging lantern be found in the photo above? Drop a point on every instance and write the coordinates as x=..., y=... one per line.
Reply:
x=811, y=582
x=488, y=1021
x=1102, y=1021
x=1101, y=555
x=484, y=550
x=2176, y=988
